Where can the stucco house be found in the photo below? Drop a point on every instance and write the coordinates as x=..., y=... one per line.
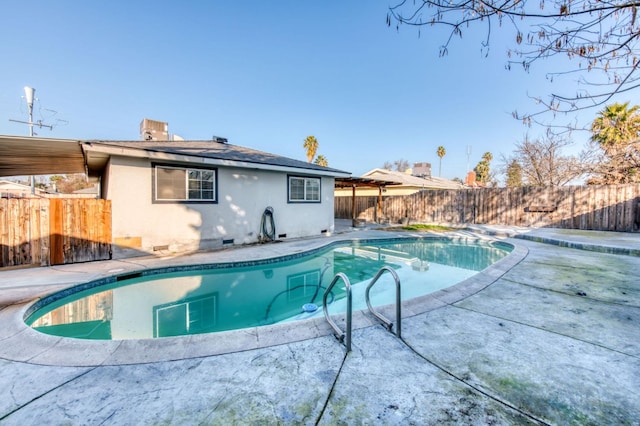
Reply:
x=182, y=195
x=18, y=190
x=189, y=195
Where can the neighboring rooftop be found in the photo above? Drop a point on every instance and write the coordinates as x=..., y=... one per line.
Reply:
x=406, y=179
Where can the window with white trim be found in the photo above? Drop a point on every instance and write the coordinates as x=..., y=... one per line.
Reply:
x=197, y=315
x=184, y=184
x=303, y=286
x=304, y=189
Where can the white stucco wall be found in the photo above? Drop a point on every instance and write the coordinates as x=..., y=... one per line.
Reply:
x=243, y=195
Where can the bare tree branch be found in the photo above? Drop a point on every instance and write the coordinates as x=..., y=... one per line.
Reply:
x=602, y=38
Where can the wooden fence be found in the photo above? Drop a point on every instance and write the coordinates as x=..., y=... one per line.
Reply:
x=54, y=231
x=601, y=208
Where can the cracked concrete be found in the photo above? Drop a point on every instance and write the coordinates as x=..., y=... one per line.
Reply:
x=547, y=336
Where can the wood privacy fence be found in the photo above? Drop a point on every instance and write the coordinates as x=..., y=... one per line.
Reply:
x=601, y=208
x=54, y=231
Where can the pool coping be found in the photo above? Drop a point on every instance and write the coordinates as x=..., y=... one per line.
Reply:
x=24, y=344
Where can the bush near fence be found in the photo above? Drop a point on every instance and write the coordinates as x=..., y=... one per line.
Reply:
x=600, y=208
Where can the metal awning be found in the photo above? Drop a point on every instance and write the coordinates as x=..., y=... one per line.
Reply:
x=23, y=156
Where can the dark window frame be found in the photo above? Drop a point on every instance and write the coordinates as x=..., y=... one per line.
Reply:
x=186, y=169
x=305, y=200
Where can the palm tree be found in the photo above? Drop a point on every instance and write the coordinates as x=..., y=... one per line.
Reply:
x=482, y=171
x=483, y=168
x=616, y=126
x=321, y=160
x=441, y=153
x=616, y=130
x=311, y=145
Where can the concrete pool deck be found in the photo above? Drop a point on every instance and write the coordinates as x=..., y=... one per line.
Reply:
x=548, y=335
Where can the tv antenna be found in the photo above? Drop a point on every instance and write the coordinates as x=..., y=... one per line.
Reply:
x=468, y=155
x=29, y=93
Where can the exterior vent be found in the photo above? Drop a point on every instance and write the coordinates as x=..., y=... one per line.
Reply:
x=219, y=139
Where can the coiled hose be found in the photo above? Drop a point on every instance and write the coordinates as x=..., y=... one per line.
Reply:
x=267, y=226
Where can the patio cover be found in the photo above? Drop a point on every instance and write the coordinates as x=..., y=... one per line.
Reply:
x=24, y=156
x=355, y=182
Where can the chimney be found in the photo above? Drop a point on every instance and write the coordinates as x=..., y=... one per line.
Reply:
x=470, y=179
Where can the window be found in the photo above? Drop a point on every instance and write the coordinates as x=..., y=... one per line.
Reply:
x=198, y=315
x=182, y=184
x=303, y=286
x=304, y=189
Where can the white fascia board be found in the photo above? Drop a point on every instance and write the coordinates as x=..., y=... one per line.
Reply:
x=171, y=157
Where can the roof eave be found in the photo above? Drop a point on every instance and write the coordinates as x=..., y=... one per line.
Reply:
x=93, y=150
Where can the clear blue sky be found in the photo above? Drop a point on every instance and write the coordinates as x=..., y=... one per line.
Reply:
x=265, y=74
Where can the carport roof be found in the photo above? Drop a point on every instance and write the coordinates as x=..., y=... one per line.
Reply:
x=21, y=155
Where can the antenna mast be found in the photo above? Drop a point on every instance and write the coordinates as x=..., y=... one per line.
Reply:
x=29, y=93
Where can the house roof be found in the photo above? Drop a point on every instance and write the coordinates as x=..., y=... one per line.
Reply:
x=404, y=179
x=15, y=187
x=205, y=152
x=5, y=184
x=38, y=156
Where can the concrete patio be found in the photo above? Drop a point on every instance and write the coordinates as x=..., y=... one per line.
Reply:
x=548, y=335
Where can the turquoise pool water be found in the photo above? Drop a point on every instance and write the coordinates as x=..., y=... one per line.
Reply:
x=218, y=297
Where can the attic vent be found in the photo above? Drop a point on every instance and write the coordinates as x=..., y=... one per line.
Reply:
x=219, y=139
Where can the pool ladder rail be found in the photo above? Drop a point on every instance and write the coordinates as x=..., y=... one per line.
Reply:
x=378, y=315
x=345, y=336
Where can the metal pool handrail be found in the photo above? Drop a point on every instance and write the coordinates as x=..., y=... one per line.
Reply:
x=386, y=322
x=345, y=336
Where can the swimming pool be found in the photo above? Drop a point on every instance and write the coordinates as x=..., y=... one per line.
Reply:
x=218, y=297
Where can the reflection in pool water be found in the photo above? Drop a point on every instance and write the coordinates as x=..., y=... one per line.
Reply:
x=217, y=299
